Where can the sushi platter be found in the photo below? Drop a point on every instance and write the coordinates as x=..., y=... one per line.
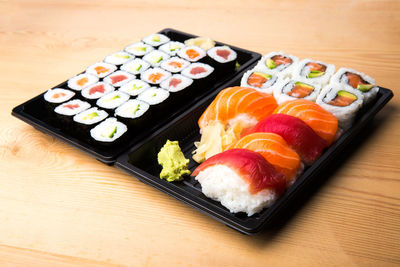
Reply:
x=172, y=86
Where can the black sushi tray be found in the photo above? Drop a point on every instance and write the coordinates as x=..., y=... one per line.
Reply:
x=138, y=157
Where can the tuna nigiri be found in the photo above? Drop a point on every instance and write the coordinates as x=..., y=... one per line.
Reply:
x=320, y=120
x=242, y=180
x=233, y=110
x=296, y=133
x=275, y=150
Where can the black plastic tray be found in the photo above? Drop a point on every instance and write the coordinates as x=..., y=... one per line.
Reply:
x=141, y=161
x=34, y=113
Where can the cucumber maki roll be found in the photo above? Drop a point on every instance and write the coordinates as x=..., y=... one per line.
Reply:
x=112, y=100
x=101, y=69
x=155, y=57
x=156, y=39
x=139, y=49
x=133, y=113
x=119, y=58
x=171, y=48
x=134, y=87
x=85, y=120
x=108, y=132
x=290, y=89
x=159, y=101
x=135, y=66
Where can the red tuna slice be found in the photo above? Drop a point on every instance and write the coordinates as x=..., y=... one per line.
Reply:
x=118, y=78
x=253, y=168
x=301, y=137
x=224, y=53
x=98, y=88
x=197, y=70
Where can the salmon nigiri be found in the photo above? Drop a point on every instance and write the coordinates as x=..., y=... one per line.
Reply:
x=232, y=111
x=321, y=121
x=275, y=150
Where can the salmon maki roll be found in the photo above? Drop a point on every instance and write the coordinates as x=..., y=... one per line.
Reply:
x=275, y=150
x=324, y=123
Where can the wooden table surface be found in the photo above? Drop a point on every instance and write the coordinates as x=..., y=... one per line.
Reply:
x=61, y=207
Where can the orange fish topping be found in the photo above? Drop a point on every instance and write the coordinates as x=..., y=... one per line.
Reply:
x=192, y=54
x=82, y=81
x=175, y=64
x=155, y=77
x=101, y=69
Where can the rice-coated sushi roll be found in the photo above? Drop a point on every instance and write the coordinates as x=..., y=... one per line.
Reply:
x=202, y=42
x=155, y=75
x=118, y=78
x=58, y=95
x=192, y=53
x=139, y=49
x=112, y=100
x=72, y=107
x=241, y=180
x=101, y=69
x=290, y=89
x=171, y=48
x=342, y=101
x=260, y=80
x=174, y=64
x=81, y=81
x=155, y=57
x=134, y=87
x=279, y=63
x=133, y=113
x=358, y=80
x=119, y=58
x=85, y=120
x=156, y=39
x=313, y=71
x=97, y=90
x=197, y=71
x=153, y=95
x=108, y=131
x=176, y=83
x=135, y=66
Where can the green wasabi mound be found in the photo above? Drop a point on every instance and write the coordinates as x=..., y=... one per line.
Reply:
x=173, y=162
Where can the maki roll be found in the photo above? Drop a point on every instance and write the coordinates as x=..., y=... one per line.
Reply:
x=55, y=96
x=139, y=49
x=85, y=120
x=155, y=75
x=94, y=92
x=357, y=80
x=158, y=99
x=278, y=63
x=134, y=87
x=197, y=71
x=342, y=101
x=108, y=132
x=66, y=111
x=132, y=112
x=222, y=58
x=171, y=48
x=81, y=81
x=260, y=80
x=135, y=66
x=179, y=87
x=192, y=53
x=112, y=100
x=202, y=42
x=174, y=64
x=101, y=69
x=294, y=89
x=119, y=78
x=156, y=39
x=119, y=58
x=155, y=57
x=315, y=72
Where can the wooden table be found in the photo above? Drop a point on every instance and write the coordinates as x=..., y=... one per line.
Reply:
x=61, y=207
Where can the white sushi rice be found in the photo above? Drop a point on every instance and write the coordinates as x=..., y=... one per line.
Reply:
x=283, y=70
x=112, y=100
x=302, y=71
x=156, y=39
x=150, y=74
x=285, y=86
x=185, y=53
x=339, y=77
x=139, y=49
x=58, y=95
x=91, y=116
x=213, y=53
x=119, y=58
x=267, y=87
x=223, y=184
x=192, y=74
x=72, y=107
x=132, y=109
x=171, y=48
x=89, y=94
x=345, y=115
x=174, y=64
x=155, y=57
x=101, y=69
x=109, y=78
x=73, y=83
x=134, y=87
x=135, y=66
x=101, y=131
x=182, y=83
x=153, y=95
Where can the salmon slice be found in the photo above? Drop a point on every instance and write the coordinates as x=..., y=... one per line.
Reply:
x=275, y=150
x=279, y=60
x=321, y=121
x=354, y=79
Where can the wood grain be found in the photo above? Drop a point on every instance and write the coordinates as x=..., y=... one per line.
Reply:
x=61, y=207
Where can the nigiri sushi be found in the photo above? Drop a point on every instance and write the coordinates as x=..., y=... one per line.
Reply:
x=321, y=121
x=296, y=133
x=242, y=180
x=275, y=150
x=233, y=110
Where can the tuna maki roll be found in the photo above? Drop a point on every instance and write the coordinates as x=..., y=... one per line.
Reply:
x=119, y=78
x=94, y=92
x=135, y=66
x=156, y=39
x=101, y=69
x=197, y=71
x=119, y=58
x=134, y=87
x=56, y=96
x=171, y=48
x=155, y=57
x=66, y=111
x=139, y=49
x=81, y=81
x=180, y=88
x=222, y=58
